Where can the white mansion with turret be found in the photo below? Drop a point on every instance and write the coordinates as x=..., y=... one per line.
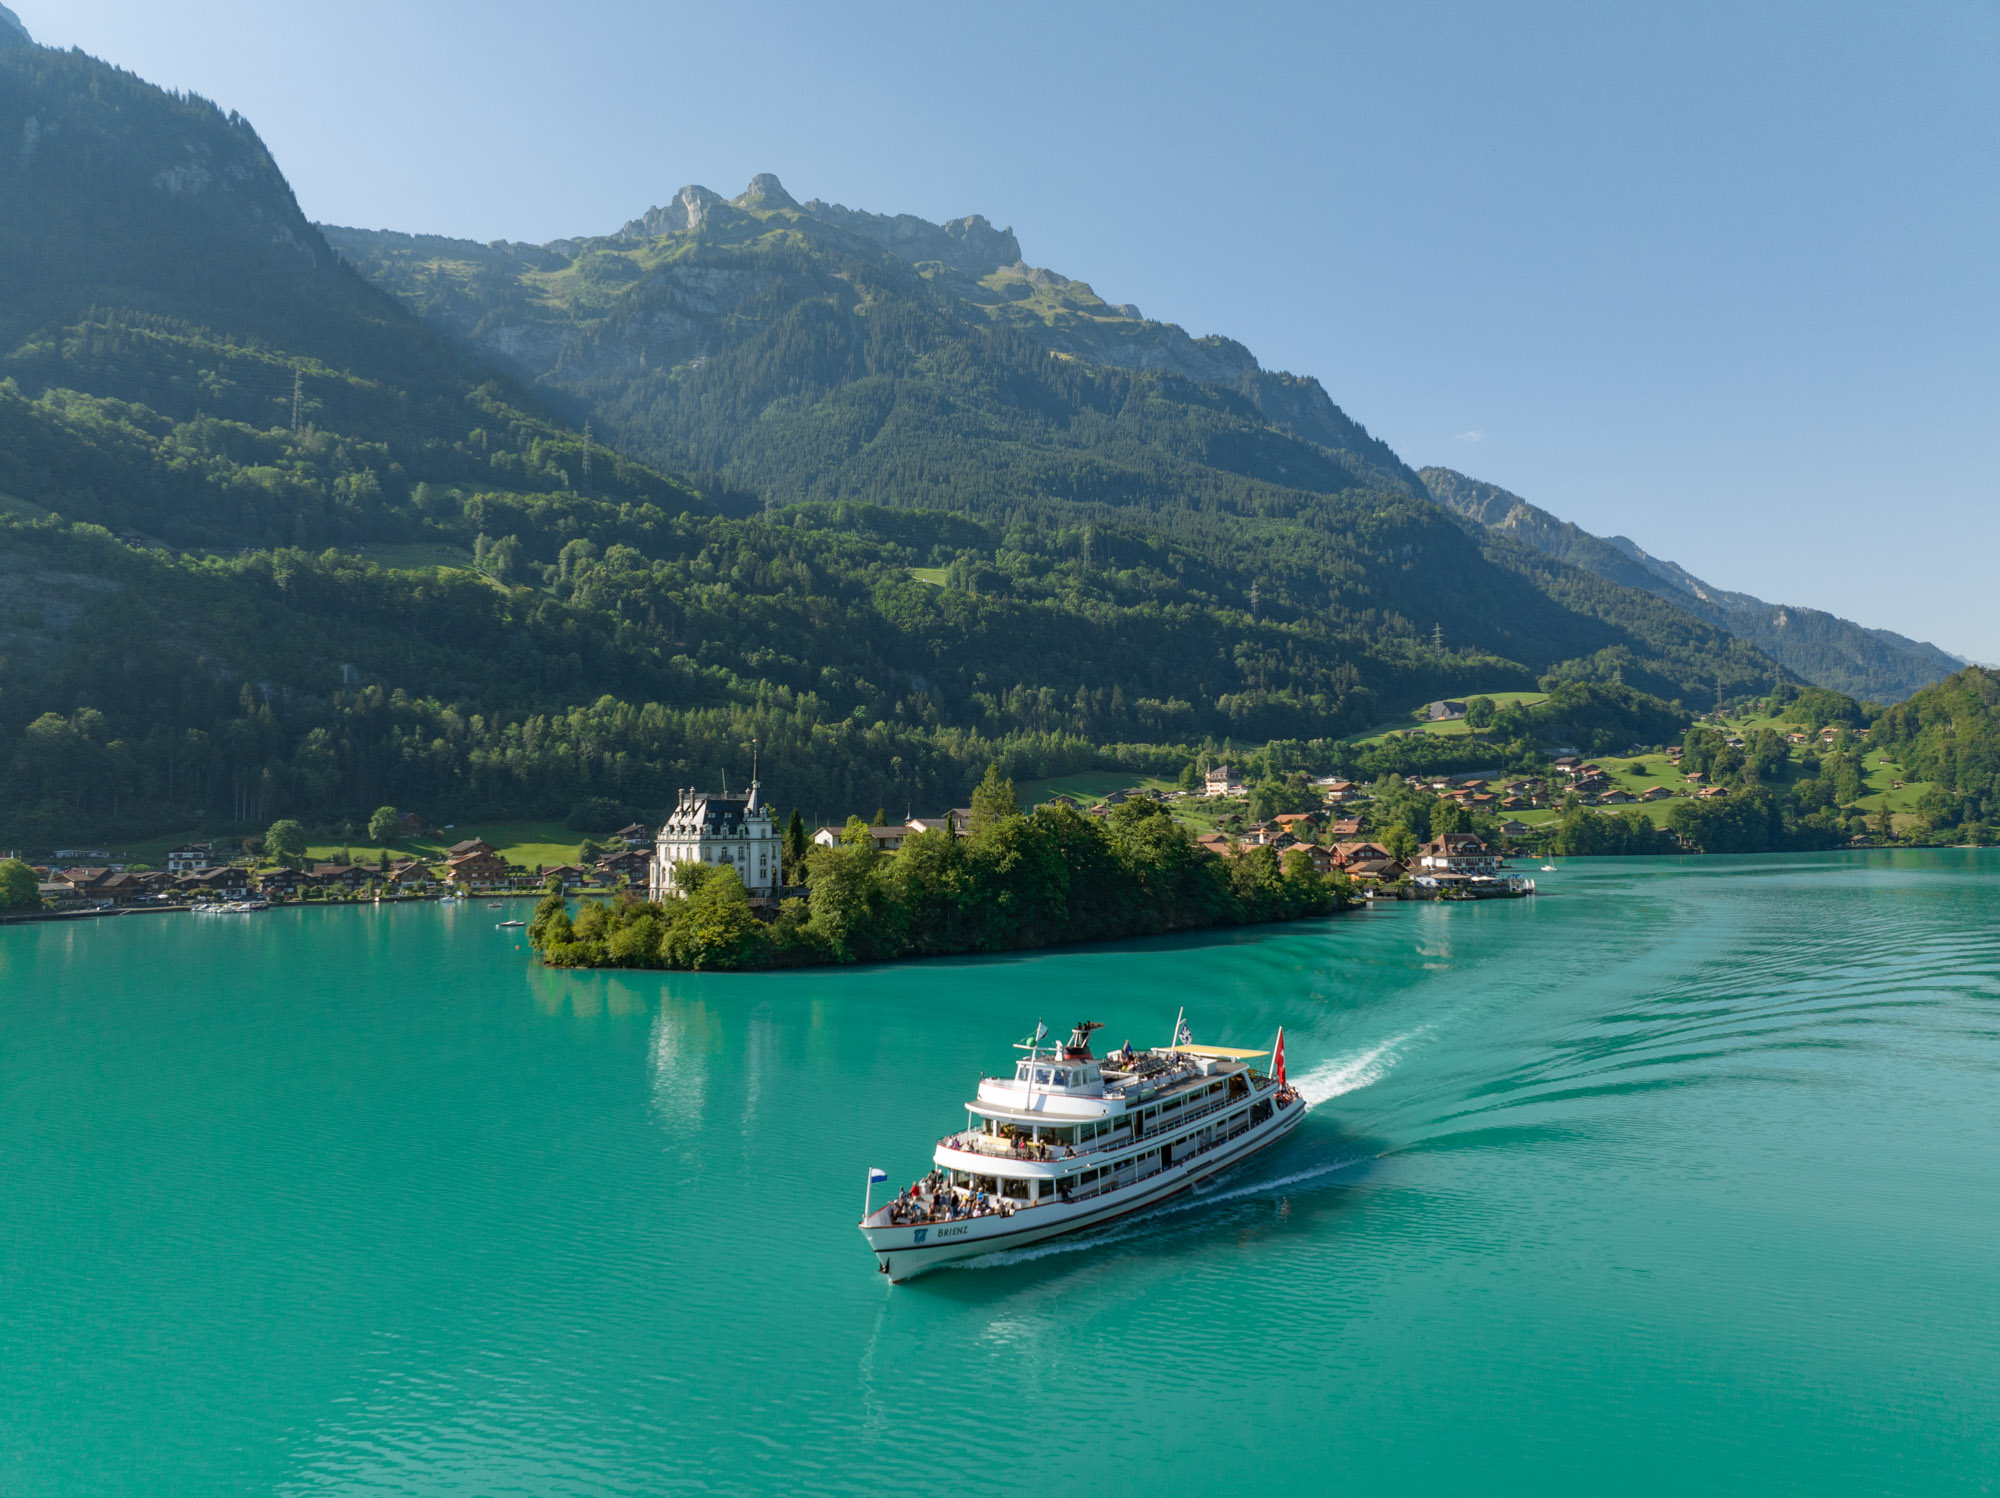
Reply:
x=706, y=827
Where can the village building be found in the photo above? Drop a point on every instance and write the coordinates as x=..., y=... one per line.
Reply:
x=1457, y=853
x=279, y=883
x=1515, y=830
x=886, y=839
x=344, y=876
x=1617, y=796
x=635, y=865
x=1656, y=793
x=469, y=846
x=728, y=831
x=1347, y=855
x=958, y=820
x=570, y=876
x=412, y=876
x=1345, y=827
x=1377, y=871
x=191, y=858
x=221, y=883
x=1221, y=781
x=480, y=868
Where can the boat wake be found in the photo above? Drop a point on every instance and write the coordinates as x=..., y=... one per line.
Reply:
x=1345, y=1074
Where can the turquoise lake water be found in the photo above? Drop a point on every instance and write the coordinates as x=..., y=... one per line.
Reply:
x=1682, y=1178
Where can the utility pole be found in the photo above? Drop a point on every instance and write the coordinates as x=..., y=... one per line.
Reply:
x=1437, y=637
x=586, y=455
x=1253, y=598
x=298, y=397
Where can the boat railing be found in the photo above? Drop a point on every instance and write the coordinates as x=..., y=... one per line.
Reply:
x=976, y=1142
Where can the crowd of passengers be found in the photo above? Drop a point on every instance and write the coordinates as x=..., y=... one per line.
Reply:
x=931, y=1199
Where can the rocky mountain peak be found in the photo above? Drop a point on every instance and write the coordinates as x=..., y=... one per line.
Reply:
x=766, y=192
x=12, y=32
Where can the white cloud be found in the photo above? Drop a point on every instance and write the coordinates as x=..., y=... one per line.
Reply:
x=1473, y=436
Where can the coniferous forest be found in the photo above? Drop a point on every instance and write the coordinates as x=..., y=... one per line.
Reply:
x=272, y=545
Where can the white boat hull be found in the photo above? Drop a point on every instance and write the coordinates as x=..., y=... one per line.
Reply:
x=906, y=1250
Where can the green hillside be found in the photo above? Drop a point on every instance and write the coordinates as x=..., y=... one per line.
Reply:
x=1816, y=646
x=274, y=546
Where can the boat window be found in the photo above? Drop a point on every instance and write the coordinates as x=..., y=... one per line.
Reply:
x=1017, y=1190
x=1042, y=1074
x=989, y=1184
x=1045, y=1188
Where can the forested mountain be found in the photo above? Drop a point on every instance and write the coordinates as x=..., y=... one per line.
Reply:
x=1819, y=647
x=271, y=545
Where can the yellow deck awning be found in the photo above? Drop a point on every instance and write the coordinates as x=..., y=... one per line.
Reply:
x=1223, y=1052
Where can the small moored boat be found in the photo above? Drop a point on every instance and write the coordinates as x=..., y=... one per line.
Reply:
x=1070, y=1142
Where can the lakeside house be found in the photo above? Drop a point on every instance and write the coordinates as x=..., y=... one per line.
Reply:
x=470, y=846
x=225, y=882
x=280, y=883
x=1457, y=853
x=886, y=839
x=1347, y=855
x=727, y=831
x=635, y=835
x=1377, y=871
x=571, y=877
x=347, y=876
x=476, y=869
x=1514, y=830
x=412, y=877
x=191, y=858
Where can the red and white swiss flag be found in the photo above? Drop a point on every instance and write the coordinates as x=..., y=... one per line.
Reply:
x=1278, y=1057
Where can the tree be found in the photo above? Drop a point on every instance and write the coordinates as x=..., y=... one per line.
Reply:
x=993, y=800
x=285, y=838
x=1400, y=841
x=19, y=890
x=382, y=825
x=797, y=846
x=1479, y=713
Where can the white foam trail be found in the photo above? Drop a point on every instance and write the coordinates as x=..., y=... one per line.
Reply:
x=1345, y=1074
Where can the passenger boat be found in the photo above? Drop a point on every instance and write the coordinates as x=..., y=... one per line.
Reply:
x=1070, y=1141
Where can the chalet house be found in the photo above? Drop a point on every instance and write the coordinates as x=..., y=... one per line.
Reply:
x=1733, y=742
x=1656, y=793
x=83, y=881
x=1347, y=855
x=1218, y=843
x=191, y=858
x=347, y=876
x=1618, y=796
x=1322, y=858
x=636, y=835
x=1710, y=792
x=1445, y=711
x=409, y=821
x=476, y=869
x=412, y=876
x=1336, y=791
x=469, y=846
x=572, y=877
x=1457, y=853
x=1283, y=842
x=1513, y=829
x=1295, y=821
x=130, y=889
x=1566, y=765
x=1695, y=775
x=1515, y=803
x=1795, y=738
x=1345, y=827
x=220, y=883
x=278, y=884
x=634, y=864
x=1377, y=871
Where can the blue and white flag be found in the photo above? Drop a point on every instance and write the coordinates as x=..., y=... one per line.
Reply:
x=1041, y=1032
x=876, y=1177
x=1182, y=1034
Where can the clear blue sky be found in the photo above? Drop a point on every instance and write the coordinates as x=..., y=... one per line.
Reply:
x=1718, y=277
